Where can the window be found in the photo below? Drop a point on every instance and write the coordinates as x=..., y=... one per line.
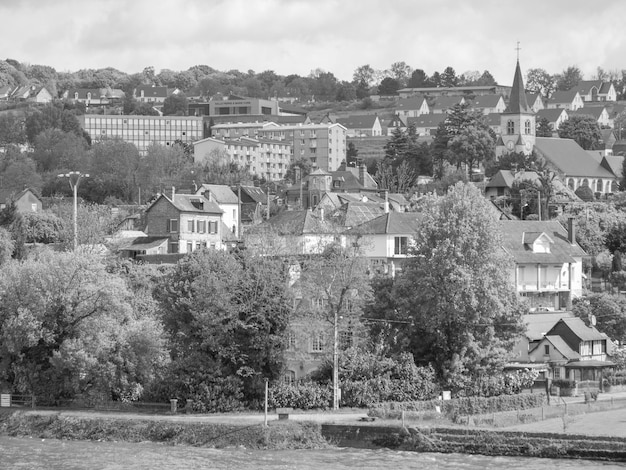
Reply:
x=346, y=339
x=546, y=349
x=198, y=245
x=289, y=377
x=212, y=226
x=173, y=247
x=317, y=342
x=510, y=127
x=189, y=247
x=172, y=225
x=557, y=373
x=291, y=340
x=527, y=127
x=191, y=225
x=201, y=226
x=401, y=246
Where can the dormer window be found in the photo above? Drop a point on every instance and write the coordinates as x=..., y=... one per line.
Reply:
x=197, y=203
x=537, y=242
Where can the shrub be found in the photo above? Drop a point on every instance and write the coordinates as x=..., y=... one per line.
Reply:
x=304, y=396
x=562, y=383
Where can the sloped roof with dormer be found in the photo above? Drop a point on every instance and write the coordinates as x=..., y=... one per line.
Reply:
x=300, y=223
x=578, y=327
x=222, y=193
x=594, y=111
x=559, y=345
x=584, y=86
x=517, y=100
x=570, y=158
x=561, y=250
x=538, y=324
x=185, y=203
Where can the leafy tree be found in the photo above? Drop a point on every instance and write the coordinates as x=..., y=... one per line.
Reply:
x=397, y=180
x=300, y=168
x=456, y=287
x=43, y=227
x=486, y=79
x=114, y=167
x=12, y=221
x=226, y=316
x=323, y=85
x=540, y=81
x=363, y=74
x=56, y=150
x=336, y=286
x=388, y=86
x=583, y=129
x=6, y=246
x=346, y=92
x=569, y=78
x=175, y=105
x=11, y=129
x=76, y=333
x=472, y=147
x=401, y=72
x=543, y=128
x=609, y=310
x=352, y=155
x=449, y=78
x=21, y=174
x=585, y=193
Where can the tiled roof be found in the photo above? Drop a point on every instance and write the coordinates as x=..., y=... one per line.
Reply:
x=406, y=223
x=356, y=213
x=184, y=203
x=595, y=111
x=445, y=102
x=517, y=100
x=222, y=193
x=502, y=179
x=561, y=346
x=582, y=331
x=604, y=89
x=486, y=101
x=570, y=158
x=561, y=250
x=538, y=324
x=584, y=86
x=143, y=243
x=412, y=103
x=614, y=163
x=427, y=120
x=551, y=114
x=257, y=194
x=359, y=121
x=300, y=223
x=563, y=96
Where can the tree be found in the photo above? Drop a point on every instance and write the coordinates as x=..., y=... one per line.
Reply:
x=401, y=72
x=609, y=311
x=346, y=92
x=419, y=79
x=569, y=78
x=175, y=105
x=352, y=155
x=399, y=179
x=335, y=285
x=583, y=129
x=388, y=86
x=456, y=289
x=114, y=171
x=540, y=81
x=472, y=147
x=226, y=316
x=449, y=78
x=363, y=75
x=543, y=128
x=77, y=334
x=299, y=169
x=11, y=129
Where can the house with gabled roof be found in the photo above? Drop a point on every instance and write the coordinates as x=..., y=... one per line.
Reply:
x=227, y=201
x=596, y=90
x=568, y=99
x=361, y=125
x=386, y=240
x=152, y=94
x=599, y=113
x=412, y=107
x=33, y=93
x=25, y=201
x=396, y=122
x=487, y=104
x=5, y=92
x=548, y=261
x=426, y=124
x=441, y=104
x=189, y=222
x=555, y=116
x=535, y=101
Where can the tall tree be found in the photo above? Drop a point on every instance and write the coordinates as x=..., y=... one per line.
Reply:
x=583, y=129
x=401, y=72
x=449, y=78
x=473, y=147
x=456, y=287
x=388, y=86
x=363, y=74
x=175, y=105
x=543, y=128
x=569, y=78
x=540, y=81
x=419, y=79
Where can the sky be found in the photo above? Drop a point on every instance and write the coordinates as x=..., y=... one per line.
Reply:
x=298, y=36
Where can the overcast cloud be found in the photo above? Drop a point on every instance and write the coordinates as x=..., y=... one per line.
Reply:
x=297, y=36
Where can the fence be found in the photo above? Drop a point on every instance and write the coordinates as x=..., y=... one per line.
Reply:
x=558, y=409
x=16, y=401
x=29, y=401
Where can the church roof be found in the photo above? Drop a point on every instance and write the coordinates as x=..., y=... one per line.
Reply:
x=570, y=158
x=517, y=101
x=613, y=163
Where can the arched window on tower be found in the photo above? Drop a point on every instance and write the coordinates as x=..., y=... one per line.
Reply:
x=527, y=127
x=510, y=127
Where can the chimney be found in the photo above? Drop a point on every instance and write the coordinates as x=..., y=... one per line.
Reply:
x=362, y=170
x=173, y=192
x=571, y=230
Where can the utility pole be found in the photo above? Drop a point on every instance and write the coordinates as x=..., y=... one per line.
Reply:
x=74, y=178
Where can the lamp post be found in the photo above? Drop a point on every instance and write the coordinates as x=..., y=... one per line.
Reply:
x=74, y=178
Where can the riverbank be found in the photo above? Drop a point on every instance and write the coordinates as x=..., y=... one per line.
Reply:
x=321, y=430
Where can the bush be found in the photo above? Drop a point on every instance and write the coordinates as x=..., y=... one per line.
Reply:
x=508, y=383
x=304, y=396
x=562, y=383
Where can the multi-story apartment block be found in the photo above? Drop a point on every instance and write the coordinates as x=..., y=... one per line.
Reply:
x=143, y=130
x=264, y=158
x=323, y=144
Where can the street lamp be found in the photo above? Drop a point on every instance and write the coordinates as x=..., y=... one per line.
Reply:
x=74, y=179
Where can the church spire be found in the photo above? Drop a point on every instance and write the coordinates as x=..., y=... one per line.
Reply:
x=517, y=102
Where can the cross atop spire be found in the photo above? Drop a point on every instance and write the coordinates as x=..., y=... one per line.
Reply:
x=518, y=49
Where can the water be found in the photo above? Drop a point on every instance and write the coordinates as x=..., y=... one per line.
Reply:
x=52, y=454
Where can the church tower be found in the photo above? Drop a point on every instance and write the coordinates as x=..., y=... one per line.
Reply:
x=517, y=123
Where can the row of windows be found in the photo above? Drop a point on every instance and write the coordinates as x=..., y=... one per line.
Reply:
x=144, y=132
x=193, y=226
x=510, y=127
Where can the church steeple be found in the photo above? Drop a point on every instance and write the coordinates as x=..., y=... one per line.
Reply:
x=517, y=101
